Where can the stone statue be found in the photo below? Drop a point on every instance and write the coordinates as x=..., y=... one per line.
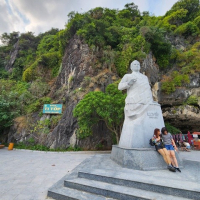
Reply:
x=142, y=114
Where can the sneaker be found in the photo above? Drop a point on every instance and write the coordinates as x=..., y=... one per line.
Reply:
x=173, y=166
x=178, y=169
x=172, y=169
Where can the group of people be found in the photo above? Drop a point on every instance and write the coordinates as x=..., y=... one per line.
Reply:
x=166, y=146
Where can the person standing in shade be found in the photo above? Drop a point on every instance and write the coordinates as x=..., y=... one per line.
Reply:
x=170, y=146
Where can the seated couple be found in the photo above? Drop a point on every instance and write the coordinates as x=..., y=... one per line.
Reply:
x=165, y=145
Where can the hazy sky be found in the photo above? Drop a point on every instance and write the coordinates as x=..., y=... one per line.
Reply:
x=41, y=15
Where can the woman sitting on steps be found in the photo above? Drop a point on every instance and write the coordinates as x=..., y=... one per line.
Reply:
x=161, y=149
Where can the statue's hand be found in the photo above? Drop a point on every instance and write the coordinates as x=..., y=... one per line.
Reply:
x=131, y=81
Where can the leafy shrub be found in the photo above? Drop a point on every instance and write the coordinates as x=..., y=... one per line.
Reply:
x=8, y=110
x=192, y=6
x=47, y=61
x=76, y=148
x=159, y=46
x=172, y=129
x=123, y=60
x=30, y=73
x=13, y=98
x=180, y=79
x=3, y=74
x=31, y=140
x=97, y=106
x=50, y=60
x=38, y=104
x=130, y=51
x=168, y=87
x=176, y=18
x=197, y=21
x=41, y=127
x=48, y=44
x=176, y=79
x=39, y=88
x=55, y=120
x=192, y=100
x=31, y=146
x=188, y=29
x=189, y=60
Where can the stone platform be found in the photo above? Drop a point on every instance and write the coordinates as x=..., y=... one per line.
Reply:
x=99, y=178
x=140, y=158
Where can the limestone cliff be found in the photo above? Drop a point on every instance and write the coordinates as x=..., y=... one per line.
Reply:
x=13, y=56
x=175, y=108
x=80, y=73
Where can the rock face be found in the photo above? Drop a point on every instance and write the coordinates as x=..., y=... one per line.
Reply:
x=174, y=108
x=81, y=73
x=13, y=56
x=78, y=63
x=183, y=117
x=150, y=69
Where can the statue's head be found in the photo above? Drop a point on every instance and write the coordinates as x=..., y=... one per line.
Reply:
x=135, y=66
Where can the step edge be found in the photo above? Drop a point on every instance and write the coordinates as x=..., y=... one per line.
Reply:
x=150, y=183
x=58, y=192
x=77, y=181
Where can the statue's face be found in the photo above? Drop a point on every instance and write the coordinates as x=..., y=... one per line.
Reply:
x=135, y=66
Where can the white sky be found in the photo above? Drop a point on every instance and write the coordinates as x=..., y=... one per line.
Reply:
x=41, y=15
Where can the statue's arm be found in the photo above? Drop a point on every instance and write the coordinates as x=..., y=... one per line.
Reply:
x=124, y=83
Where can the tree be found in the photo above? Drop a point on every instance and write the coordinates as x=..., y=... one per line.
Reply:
x=49, y=43
x=8, y=109
x=159, y=46
x=99, y=106
x=188, y=29
x=172, y=129
x=9, y=39
x=192, y=6
x=133, y=10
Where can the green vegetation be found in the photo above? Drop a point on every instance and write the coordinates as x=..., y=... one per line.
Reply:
x=173, y=130
x=176, y=79
x=99, y=106
x=115, y=37
x=192, y=100
x=32, y=146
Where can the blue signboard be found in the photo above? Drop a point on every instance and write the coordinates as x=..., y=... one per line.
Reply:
x=52, y=109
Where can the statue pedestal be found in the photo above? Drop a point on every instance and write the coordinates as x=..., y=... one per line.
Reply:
x=140, y=158
x=136, y=132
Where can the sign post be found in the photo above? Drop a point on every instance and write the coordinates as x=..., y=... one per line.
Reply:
x=52, y=109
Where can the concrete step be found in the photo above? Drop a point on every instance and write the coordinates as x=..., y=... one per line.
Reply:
x=116, y=191
x=138, y=180
x=64, y=193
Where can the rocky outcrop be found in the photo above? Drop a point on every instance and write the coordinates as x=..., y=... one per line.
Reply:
x=80, y=74
x=184, y=117
x=13, y=56
x=178, y=97
x=150, y=69
x=175, y=111
x=177, y=41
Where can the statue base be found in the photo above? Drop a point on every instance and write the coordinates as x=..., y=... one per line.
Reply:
x=137, y=132
x=140, y=158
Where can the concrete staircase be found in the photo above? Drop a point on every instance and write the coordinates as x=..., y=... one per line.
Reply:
x=101, y=184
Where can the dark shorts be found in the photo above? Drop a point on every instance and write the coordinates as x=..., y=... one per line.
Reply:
x=159, y=147
x=169, y=147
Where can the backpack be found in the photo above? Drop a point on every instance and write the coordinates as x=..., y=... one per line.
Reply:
x=151, y=142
